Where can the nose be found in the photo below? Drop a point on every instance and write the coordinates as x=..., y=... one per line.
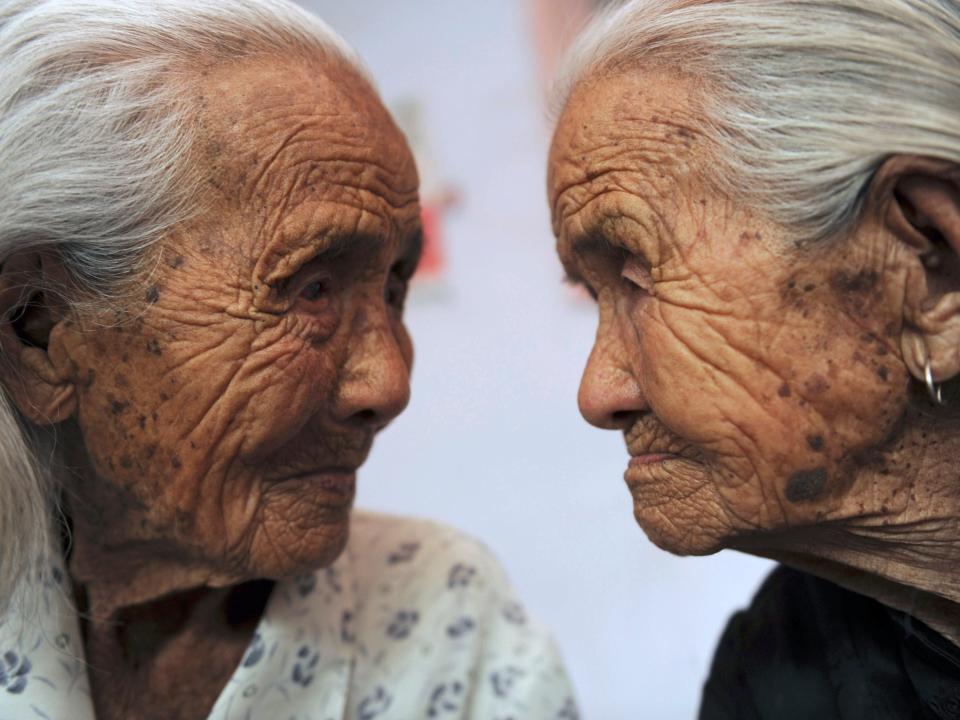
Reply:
x=610, y=396
x=375, y=383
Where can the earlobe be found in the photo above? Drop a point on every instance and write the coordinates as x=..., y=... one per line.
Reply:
x=921, y=201
x=41, y=391
x=55, y=397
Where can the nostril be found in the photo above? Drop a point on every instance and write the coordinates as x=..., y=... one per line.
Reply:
x=366, y=416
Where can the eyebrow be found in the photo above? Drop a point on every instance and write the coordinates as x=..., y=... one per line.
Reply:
x=595, y=241
x=411, y=249
x=326, y=249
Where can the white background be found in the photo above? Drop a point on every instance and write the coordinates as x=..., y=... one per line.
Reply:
x=492, y=441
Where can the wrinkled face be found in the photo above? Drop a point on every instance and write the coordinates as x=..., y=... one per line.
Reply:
x=751, y=378
x=226, y=417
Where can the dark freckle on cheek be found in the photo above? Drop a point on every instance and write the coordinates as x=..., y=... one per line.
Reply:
x=153, y=347
x=175, y=461
x=806, y=484
x=175, y=262
x=857, y=283
x=816, y=384
x=815, y=442
x=883, y=372
x=809, y=287
x=784, y=390
x=153, y=294
x=117, y=407
x=142, y=421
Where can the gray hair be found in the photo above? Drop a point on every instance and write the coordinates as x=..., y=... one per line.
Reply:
x=804, y=98
x=95, y=164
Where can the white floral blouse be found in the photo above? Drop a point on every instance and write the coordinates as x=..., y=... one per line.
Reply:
x=414, y=620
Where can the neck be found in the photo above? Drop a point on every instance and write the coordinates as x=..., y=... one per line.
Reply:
x=894, y=535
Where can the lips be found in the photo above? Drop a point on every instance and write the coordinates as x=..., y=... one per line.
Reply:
x=650, y=459
x=338, y=485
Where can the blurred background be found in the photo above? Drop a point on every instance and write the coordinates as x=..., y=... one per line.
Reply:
x=492, y=442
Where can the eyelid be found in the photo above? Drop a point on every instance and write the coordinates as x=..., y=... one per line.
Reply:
x=636, y=272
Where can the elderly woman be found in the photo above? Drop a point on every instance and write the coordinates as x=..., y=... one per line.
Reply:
x=207, y=226
x=764, y=198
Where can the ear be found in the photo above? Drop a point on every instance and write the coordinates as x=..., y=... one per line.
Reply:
x=919, y=201
x=30, y=316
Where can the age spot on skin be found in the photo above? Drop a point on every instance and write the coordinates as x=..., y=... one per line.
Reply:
x=858, y=283
x=176, y=262
x=153, y=347
x=815, y=442
x=806, y=485
x=883, y=372
x=816, y=385
x=153, y=294
x=784, y=390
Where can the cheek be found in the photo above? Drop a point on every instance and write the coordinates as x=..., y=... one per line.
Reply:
x=791, y=403
x=284, y=385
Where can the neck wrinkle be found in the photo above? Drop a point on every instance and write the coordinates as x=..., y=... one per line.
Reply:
x=903, y=576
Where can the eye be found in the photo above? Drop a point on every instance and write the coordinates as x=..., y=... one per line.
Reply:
x=316, y=296
x=636, y=274
x=314, y=291
x=395, y=293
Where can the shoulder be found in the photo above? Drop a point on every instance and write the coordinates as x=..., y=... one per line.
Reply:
x=778, y=658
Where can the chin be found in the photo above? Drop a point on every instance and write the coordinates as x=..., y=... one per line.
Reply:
x=683, y=537
x=298, y=550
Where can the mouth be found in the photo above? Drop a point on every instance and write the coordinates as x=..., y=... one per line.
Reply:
x=650, y=459
x=336, y=486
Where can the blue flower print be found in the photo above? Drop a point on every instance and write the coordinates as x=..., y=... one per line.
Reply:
x=305, y=665
x=56, y=574
x=514, y=613
x=347, y=632
x=460, y=627
x=445, y=699
x=402, y=624
x=404, y=553
x=254, y=652
x=374, y=705
x=568, y=711
x=305, y=584
x=333, y=580
x=504, y=680
x=460, y=575
x=14, y=670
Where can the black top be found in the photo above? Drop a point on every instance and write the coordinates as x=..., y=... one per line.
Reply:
x=806, y=648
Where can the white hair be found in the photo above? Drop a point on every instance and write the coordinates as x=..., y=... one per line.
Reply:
x=95, y=164
x=804, y=98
